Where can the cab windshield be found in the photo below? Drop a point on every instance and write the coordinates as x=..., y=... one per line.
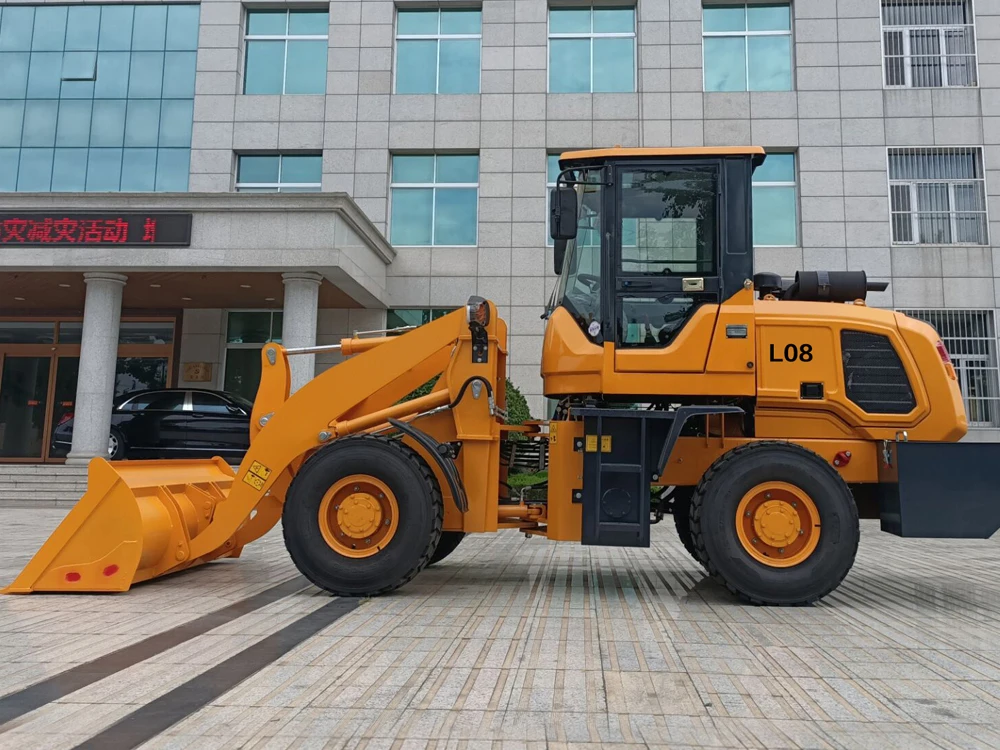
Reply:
x=579, y=288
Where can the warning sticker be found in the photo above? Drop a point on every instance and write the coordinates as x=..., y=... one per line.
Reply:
x=257, y=475
x=260, y=470
x=591, y=444
x=605, y=444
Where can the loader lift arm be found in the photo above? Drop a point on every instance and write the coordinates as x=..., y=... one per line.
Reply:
x=140, y=520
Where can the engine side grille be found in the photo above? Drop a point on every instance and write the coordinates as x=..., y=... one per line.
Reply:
x=874, y=374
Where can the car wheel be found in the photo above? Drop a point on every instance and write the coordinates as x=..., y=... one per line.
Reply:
x=116, y=445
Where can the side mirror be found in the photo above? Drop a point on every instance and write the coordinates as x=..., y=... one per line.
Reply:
x=562, y=213
x=558, y=255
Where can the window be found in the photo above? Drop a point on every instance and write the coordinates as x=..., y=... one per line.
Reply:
x=937, y=196
x=156, y=401
x=403, y=318
x=279, y=173
x=591, y=50
x=96, y=98
x=435, y=200
x=747, y=47
x=775, y=220
x=928, y=44
x=210, y=403
x=437, y=51
x=971, y=340
x=286, y=52
x=675, y=215
x=246, y=333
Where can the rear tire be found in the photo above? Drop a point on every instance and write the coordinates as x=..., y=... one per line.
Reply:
x=714, y=519
x=448, y=544
x=681, y=508
x=416, y=529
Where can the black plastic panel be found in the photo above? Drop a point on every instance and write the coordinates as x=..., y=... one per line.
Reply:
x=617, y=466
x=945, y=491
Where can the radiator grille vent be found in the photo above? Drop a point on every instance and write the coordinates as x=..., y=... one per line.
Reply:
x=874, y=375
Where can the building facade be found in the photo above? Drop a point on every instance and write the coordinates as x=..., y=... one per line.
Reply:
x=431, y=132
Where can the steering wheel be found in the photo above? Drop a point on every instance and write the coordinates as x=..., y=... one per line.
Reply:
x=594, y=282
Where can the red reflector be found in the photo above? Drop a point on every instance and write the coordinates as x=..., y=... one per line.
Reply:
x=111, y=570
x=73, y=577
x=943, y=352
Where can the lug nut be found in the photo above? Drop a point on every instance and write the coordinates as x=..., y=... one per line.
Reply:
x=767, y=495
x=782, y=550
x=368, y=541
x=795, y=505
x=755, y=540
x=748, y=514
x=336, y=507
x=356, y=488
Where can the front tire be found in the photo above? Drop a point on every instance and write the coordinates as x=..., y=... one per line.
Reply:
x=362, y=517
x=775, y=523
x=448, y=544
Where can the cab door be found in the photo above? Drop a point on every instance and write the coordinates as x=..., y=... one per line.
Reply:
x=666, y=265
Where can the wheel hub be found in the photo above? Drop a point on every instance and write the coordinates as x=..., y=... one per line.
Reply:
x=778, y=524
x=359, y=515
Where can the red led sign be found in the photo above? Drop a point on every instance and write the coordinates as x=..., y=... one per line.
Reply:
x=35, y=229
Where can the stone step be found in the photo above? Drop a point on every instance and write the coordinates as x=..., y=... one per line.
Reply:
x=30, y=493
x=42, y=481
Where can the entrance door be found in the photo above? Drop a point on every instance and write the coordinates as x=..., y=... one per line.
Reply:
x=63, y=403
x=24, y=390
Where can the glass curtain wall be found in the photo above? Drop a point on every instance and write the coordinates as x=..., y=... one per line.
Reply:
x=96, y=98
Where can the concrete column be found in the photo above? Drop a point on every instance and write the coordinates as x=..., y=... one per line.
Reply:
x=95, y=387
x=298, y=326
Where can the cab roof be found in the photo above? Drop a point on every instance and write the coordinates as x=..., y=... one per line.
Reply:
x=623, y=153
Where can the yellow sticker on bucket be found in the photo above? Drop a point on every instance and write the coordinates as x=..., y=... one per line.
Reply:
x=253, y=480
x=260, y=470
x=257, y=475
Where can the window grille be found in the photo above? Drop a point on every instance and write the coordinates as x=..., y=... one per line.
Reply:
x=971, y=340
x=937, y=196
x=928, y=43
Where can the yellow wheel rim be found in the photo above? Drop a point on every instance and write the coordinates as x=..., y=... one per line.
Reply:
x=778, y=524
x=358, y=516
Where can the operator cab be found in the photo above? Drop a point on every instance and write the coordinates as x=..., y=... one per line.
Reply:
x=645, y=237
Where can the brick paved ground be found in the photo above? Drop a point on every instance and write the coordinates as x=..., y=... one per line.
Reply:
x=522, y=643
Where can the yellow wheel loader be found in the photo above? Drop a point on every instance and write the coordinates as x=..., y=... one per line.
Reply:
x=766, y=414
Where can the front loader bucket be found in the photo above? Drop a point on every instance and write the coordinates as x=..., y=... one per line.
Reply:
x=132, y=524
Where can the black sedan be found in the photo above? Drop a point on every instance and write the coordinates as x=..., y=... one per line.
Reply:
x=171, y=423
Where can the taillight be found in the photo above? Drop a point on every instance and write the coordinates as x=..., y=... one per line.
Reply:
x=65, y=418
x=943, y=352
x=946, y=360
